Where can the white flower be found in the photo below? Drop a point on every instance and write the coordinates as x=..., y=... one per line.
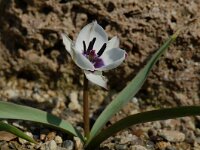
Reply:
x=93, y=53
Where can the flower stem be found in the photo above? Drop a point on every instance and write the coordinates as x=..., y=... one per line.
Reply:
x=86, y=118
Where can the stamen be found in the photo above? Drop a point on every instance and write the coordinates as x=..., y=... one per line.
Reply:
x=100, y=52
x=84, y=47
x=91, y=44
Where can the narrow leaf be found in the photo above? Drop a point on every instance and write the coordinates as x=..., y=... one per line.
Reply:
x=155, y=115
x=129, y=91
x=14, y=111
x=15, y=131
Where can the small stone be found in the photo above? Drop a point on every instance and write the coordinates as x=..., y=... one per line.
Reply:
x=51, y=93
x=49, y=145
x=172, y=136
x=16, y=124
x=74, y=104
x=39, y=145
x=11, y=94
x=61, y=148
x=78, y=143
x=137, y=147
x=149, y=144
x=42, y=137
x=6, y=136
x=14, y=145
x=130, y=138
x=190, y=136
x=4, y=146
x=50, y=136
x=170, y=148
x=152, y=132
x=37, y=97
x=68, y=144
x=58, y=139
x=45, y=96
x=162, y=145
x=120, y=147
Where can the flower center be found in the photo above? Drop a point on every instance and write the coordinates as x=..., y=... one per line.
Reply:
x=91, y=54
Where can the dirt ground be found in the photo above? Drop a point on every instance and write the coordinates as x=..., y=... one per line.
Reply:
x=36, y=70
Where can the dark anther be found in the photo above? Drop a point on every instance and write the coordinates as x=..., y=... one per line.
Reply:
x=84, y=47
x=91, y=44
x=100, y=52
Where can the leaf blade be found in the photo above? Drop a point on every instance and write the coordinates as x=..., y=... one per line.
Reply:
x=14, y=111
x=129, y=91
x=15, y=131
x=154, y=115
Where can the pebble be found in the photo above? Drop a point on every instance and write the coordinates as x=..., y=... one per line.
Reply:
x=78, y=143
x=172, y=136
x=68, y=144
x=16, y=124
x=4, y=145
x=45, y=96
x=137, y=147
x=49, y=145
x=42, y=137
x=51, y=93
x=11, y=94
x=74, y=104
x=149, y=144
x=14, y=145
x=39, y=145
x=162, y=145
x=190, y=136
x=37, y=97
x=61, y=148
x=6, y=136
x=170, y=148
x=121, y=147
x=58, y=139
x=27, y=93
x=50, y=136
x=130, y=138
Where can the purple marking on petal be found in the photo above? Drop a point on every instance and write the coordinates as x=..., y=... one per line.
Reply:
x=98, y=62
x=93, y=58
x=92, y=53
x=84, y=54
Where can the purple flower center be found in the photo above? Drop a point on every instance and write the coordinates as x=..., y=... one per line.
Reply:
x=91, y=54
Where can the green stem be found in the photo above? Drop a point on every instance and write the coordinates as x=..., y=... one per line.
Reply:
x=86, y=112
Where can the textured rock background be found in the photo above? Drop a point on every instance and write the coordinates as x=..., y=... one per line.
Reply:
x=33, y=57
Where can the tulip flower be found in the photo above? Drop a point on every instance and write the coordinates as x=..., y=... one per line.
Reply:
x=93, y=53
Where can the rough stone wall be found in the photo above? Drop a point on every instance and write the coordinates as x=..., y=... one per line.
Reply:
x=32, y=53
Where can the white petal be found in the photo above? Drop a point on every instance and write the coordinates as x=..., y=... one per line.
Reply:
x=83, y=35
x=83, y=62
x=78, y=58
x=90, y=31
x=112, y=58
x=99, y=33
x=68, y=43
x=113, y=43
x=96, y=78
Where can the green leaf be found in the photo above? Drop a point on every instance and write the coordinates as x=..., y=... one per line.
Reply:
x=14, y=111
x=129, y=91
x=154, y=115
x=15, y=131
